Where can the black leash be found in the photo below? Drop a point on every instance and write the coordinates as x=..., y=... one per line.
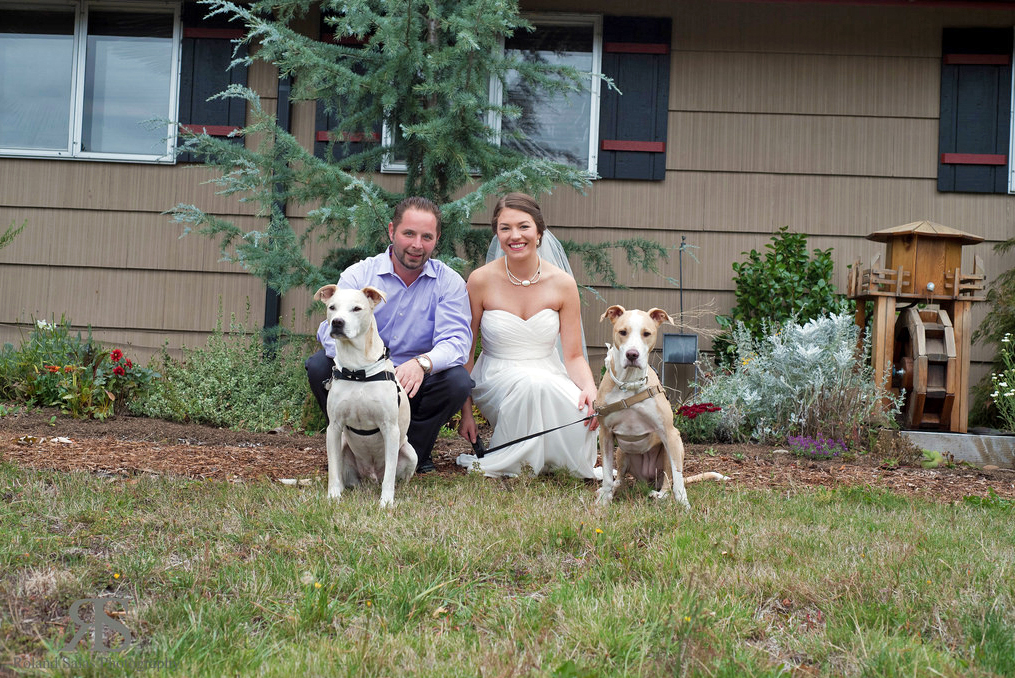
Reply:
x=482, y=451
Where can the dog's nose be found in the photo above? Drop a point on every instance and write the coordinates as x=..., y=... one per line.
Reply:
x=337, y=325
x=632, y=356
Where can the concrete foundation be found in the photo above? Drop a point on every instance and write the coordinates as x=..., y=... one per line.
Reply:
x=979, y=450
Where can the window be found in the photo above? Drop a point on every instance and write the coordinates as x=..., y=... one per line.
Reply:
x=562, y=127
x=90, y=80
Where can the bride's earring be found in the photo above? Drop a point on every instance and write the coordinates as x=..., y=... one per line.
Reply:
x=539, y=241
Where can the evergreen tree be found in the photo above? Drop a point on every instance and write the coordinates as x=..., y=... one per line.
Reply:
x=421, y=68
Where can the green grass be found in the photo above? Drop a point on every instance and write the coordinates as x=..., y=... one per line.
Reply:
x=473, y=576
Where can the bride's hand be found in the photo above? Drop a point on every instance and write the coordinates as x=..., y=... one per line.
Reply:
x=587, y=404
x=467, y=427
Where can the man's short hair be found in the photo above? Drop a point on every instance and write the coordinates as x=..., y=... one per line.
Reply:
x=415, y=202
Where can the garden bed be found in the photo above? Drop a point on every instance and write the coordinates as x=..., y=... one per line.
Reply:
x=127, y=446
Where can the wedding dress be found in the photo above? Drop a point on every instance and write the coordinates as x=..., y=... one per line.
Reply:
x=521, y=388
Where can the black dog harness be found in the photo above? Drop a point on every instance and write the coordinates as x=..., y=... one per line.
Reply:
x=345, y=374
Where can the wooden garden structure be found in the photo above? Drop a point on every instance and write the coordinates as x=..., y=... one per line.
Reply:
x=921, y=324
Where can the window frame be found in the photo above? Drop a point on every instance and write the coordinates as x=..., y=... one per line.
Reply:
x=75, y=133
x=390, y=165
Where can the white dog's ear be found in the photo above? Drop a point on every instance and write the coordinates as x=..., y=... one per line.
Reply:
x=660, y=316
x=613, y=312
x=325, y=293
x=374, y=295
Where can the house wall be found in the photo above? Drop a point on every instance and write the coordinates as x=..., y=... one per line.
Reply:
x=818, y=116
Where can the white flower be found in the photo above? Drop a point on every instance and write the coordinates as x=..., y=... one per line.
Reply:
x=1003, y=384
x=43, y=325
x=994, y=394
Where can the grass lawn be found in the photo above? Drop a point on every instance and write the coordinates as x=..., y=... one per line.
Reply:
x=478, y=577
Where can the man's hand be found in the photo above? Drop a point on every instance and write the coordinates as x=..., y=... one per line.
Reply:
x=410, y=376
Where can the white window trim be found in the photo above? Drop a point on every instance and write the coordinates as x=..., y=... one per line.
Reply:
x=390, y=165
x=81, y=8
x=1011, y=129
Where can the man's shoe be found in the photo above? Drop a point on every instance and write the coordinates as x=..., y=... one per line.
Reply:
x=425, y=466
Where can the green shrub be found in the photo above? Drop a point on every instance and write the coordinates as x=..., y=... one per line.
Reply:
x=1003, y=381
x=788, y=283
x=234, y=382
x=805, y=380
x=57, y=368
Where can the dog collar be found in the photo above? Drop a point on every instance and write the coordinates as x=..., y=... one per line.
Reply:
x=635, y=385
x=375, y=372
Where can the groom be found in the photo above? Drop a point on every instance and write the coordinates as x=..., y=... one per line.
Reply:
x=425, y=323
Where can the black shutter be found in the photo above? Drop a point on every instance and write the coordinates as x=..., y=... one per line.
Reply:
x=325, y=123
x=975, y=110
x=207, y=51
x=632, y=126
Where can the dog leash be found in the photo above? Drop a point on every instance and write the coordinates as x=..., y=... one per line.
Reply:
x=482, y=451
x=602, y=411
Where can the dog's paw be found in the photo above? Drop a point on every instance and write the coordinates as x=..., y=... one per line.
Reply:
x=604, y=496
x=657, y=494
x=335, y=494
x=387, y=502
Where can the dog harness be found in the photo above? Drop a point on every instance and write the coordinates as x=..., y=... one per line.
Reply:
x=345, y=374
x=624, y=403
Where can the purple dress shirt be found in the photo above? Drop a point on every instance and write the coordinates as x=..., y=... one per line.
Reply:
x=431, y=316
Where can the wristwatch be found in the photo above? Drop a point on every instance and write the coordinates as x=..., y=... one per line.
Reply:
x=424, y=362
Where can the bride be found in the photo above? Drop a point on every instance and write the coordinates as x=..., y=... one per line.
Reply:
x=523, y=304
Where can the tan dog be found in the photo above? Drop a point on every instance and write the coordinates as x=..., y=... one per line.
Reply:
x=634, y=411
x=368, y=412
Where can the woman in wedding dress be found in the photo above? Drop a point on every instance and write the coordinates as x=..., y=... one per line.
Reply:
x=523, y=304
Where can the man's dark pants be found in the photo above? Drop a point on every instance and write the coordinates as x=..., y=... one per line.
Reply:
x=436, y=401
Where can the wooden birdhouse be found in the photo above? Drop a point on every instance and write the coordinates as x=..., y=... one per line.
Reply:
x=921, y=325
x=930, y=253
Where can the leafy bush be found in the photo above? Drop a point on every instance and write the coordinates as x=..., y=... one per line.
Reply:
x=56, y=368
x=786, y=284
x=233, y=382
x=997, y=324
x=1003, y=394
x=801, y=379
x=697, y=423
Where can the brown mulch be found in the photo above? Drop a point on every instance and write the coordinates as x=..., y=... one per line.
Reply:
x=133, y=445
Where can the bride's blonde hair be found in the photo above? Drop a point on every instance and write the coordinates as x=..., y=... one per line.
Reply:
x=523, y=202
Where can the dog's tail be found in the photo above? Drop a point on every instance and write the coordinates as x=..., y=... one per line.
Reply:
x=711, y=475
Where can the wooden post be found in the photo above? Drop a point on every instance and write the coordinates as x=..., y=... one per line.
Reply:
x=962, y=325
x=883, y=340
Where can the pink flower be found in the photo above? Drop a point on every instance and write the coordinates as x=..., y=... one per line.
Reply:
x=116, y=355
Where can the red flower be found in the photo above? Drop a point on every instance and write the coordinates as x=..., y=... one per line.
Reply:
x=129, y=364
x=69, y=368
x=116, y=355
x=53, y=368
x=119, y=371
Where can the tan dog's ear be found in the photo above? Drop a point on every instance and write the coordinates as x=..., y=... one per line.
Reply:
x=660, y=316
x=613, y=312
x=374, y=295
x=325, y=293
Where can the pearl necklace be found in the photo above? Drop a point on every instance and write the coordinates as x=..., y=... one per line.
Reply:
x=516, y=281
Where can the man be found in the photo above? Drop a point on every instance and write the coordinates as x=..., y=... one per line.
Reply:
x=425, y=323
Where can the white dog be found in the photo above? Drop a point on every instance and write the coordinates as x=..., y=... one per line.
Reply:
x=368, y=411
x=635, y=414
